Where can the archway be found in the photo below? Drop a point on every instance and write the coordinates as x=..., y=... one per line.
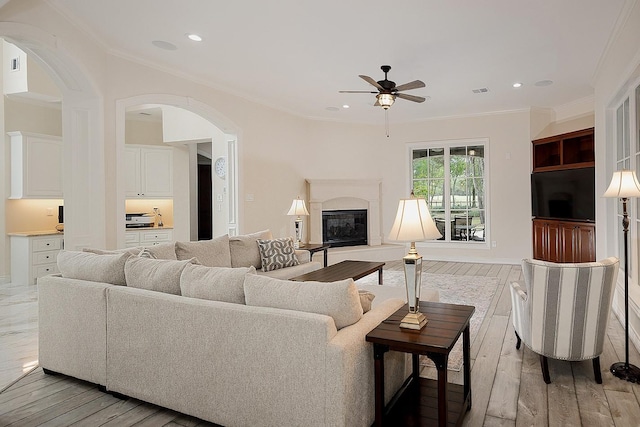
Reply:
x=205, y=112
x=82, y=131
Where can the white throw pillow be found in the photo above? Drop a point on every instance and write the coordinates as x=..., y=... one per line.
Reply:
x=244, y=249
x=160, y=275
x=277, y=253
x=212, y=253
x=339, y=300
x=108, y=268
x=214, y=283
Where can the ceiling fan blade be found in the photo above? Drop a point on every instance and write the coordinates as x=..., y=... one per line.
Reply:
x=355, y=91
x=371, y=82
x=377, y=103
x=411, y=85
x=410, y=97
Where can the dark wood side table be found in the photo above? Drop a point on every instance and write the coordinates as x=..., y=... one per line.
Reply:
x=313, y=248
x=415, y=402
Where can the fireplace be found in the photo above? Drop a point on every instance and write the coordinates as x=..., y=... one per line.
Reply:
x=344, y=227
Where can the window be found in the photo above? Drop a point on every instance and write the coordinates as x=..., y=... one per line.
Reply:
x=627, y=156
x=451, y=177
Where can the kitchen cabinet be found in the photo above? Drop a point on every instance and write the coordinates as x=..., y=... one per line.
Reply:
x=33, y=256
x=564, y=241
x=148, y=171
x=154, y=236
x=36, y=166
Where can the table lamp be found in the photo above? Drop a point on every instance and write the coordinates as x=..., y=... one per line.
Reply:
x=624, y=184
x=298, y=208
x=413, y=223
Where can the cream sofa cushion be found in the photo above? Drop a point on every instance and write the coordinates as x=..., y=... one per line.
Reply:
x=244, y=249
x=161, y=251
x=212, y=253
x=214, y=283
x=339, y=300
x=160, y=275
x=88, y=266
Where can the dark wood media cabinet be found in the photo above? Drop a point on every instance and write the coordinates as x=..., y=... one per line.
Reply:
x=564, y=240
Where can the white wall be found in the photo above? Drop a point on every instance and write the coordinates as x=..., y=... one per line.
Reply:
x=278, y=151
x=619, y=71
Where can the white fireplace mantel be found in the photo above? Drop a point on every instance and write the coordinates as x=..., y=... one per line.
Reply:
x=334, y=194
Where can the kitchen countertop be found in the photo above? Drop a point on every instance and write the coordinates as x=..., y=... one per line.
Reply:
x=149, y=228
x=36, y=233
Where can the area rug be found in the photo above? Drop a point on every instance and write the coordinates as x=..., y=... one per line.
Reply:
x=470, y=290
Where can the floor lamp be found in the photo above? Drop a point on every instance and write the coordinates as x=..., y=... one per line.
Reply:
x=624, y=184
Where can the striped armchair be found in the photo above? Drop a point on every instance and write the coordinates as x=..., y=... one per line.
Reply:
x=562, y=310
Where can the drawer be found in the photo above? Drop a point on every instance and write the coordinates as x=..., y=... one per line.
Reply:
x=132, y=238
x=47, y=257
x=45, y=269
x=155, y=236
x=53, y=243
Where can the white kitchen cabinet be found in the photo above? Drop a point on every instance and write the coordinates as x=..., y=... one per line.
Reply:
x=154, y=236
x=36, y=166
x=148, y=171
x=33, y=256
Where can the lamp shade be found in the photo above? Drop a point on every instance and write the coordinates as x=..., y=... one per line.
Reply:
x=413, y=222
x=624, y=184
x=298, y=208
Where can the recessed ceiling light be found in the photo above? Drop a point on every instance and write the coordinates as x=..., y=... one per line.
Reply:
x=345, y=106
x=194, y=37
x=544, y=83
x=164, y=45
x=517, y=84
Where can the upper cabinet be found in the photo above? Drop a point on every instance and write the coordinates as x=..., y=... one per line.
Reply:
x=36, y=166
x=148, y=171
x=566, y=151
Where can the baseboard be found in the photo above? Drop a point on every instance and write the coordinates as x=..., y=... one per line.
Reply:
x=634, y=311
x=5, y=280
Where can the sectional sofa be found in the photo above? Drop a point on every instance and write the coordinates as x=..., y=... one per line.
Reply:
x=220, y=343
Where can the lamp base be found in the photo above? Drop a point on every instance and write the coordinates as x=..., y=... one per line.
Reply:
x=626, y=372
x=414, y=321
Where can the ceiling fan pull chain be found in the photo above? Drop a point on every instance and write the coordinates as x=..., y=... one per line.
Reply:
x=386, y=121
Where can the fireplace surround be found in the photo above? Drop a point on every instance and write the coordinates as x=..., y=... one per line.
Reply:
x=345, y=194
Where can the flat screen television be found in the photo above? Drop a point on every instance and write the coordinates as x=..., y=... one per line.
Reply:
x=564, y=194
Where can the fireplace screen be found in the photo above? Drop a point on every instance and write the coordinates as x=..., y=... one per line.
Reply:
x=345, y=227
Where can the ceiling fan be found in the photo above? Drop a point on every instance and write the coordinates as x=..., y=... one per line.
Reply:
x=388, y=91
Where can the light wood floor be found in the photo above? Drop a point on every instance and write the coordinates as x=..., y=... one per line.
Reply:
x=507, y=384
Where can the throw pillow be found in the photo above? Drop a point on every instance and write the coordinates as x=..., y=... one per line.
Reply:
x=212, y=253
x=277, y=253
x=108, y=268
x=339, y=300
x=244, y=249
x=163, y=250
x=366, y=298
x=214, y=283
x=160, y=275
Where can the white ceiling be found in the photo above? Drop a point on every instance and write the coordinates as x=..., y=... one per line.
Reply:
x=296, y=55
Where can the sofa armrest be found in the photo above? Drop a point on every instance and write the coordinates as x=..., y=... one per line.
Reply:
x=350, y=366
x=303, y=256
x=73, y=327
x=520, y=310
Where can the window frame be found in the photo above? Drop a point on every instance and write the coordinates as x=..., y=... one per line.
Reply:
x=448, y=144
x=629, y=159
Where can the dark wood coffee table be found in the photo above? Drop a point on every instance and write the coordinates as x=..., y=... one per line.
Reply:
x=413, y=403
x=343, y=270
